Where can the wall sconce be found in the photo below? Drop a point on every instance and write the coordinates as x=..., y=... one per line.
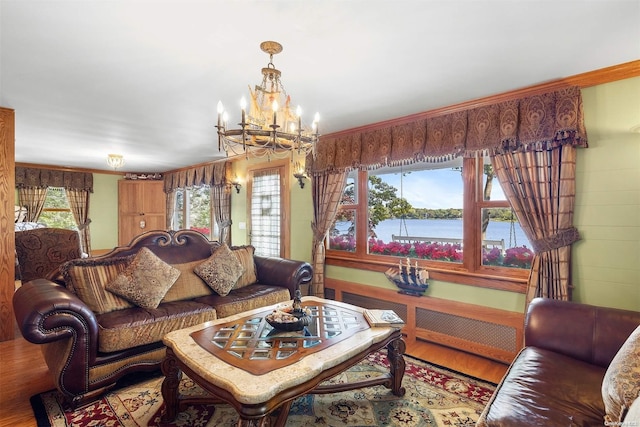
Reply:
x=299, y=174
x=236, y=184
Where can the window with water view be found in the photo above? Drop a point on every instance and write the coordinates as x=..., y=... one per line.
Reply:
x=418, y=211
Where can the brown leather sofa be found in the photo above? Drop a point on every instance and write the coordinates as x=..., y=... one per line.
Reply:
x=556, y=379
x=88, y=349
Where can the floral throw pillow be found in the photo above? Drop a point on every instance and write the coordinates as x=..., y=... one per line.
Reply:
x=621, y=384
x=145, y=281
x=221, y=270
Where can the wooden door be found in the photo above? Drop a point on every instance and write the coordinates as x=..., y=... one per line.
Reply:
x=141, y=208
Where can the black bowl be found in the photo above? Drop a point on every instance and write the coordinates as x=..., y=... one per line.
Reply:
x=303, y=320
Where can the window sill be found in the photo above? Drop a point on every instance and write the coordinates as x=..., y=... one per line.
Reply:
x=489, y=277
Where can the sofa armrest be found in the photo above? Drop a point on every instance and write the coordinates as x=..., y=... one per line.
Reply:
x=283, y=272
x=47, y=312
x=586, y=332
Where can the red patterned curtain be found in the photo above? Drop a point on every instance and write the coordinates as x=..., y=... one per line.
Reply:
x=32, y=184
x=215, y=175
x=44, y=178
x=535, y=164
x=545, y=119
x=211, y=174
x=79, y=205
x=327, y=190
x=532, y=144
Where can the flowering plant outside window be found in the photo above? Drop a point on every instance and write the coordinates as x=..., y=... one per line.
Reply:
x=517, y=257
x=343, y=243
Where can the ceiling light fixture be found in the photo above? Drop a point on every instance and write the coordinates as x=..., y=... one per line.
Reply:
x=270, y=128
x=115, y=161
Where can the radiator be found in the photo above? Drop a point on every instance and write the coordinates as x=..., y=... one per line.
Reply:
x=462, y=329
x=489, y=334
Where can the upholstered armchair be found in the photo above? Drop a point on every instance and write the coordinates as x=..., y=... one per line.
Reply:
x=42, y=251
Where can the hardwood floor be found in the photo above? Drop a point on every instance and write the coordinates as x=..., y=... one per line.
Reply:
x=23, y=374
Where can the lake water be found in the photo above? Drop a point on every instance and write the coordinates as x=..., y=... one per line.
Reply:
x=450, y=228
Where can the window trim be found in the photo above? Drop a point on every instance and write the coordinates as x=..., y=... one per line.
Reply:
x=469, y=272
x=186, y=211
x=283, y=168
x=68, y=209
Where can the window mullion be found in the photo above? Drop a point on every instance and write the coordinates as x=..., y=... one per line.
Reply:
x=470, y=214
x=362, y=214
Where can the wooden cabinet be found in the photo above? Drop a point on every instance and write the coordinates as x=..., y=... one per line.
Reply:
x=141, y=208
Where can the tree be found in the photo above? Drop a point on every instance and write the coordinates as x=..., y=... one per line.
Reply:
x=488, y=186
x=381, y=197
x=56, y=213
x=200, y=207
x=383, y=204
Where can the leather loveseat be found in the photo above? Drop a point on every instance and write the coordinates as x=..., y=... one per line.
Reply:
x=560, y=376
x=91, y=336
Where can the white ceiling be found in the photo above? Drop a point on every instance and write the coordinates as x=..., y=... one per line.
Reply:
x=142, y=78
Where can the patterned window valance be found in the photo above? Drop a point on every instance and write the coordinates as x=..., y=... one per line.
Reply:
x=213, y=174
x=536, y=122
x=44, y=178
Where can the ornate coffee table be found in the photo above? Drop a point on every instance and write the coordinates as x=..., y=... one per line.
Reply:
x=242, y=361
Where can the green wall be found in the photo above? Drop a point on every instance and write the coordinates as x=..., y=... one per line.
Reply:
x=301, y=212
x=606, y=262
x=103, y=211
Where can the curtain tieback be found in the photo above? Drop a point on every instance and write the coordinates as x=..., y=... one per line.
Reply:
x=84, y=225
x=225, y=224
x=317, y=234
x=562, y=238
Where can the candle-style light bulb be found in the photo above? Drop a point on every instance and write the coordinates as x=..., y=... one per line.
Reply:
x=274, y=107
x=243, y=107
x=220, y=111
x=299, y=114
x=225, y=119
x=316, y=119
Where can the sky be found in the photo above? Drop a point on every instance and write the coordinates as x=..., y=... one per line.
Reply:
x=434, y=188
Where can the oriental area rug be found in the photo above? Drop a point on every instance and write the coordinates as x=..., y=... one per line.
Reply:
x=434, y=396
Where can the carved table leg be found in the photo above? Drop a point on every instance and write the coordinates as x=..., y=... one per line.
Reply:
x=395, y=350
x=173, y=375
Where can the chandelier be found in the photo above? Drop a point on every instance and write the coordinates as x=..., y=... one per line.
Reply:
x=115, y=161
x=270, y=128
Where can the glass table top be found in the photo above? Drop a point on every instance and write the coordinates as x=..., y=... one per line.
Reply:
x=254, y=345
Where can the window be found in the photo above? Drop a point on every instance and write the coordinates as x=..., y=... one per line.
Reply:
x=503, y=240
x=56, y=212
x=266, y=217
x=451, y=216
x=343, y=233
x=195, y=212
